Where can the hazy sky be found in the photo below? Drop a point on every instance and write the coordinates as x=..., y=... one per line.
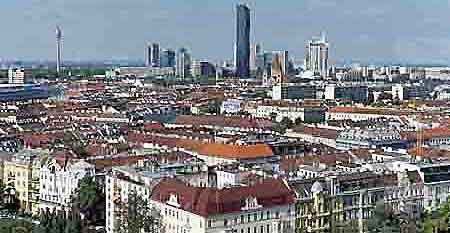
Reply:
x=366, y=30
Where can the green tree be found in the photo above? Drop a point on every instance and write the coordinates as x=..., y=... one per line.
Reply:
x=287, y=123
x=273, y=116
x=384, y=220
x=138, y=217
x=73, y=223
x=89, y=200
x=444, y=216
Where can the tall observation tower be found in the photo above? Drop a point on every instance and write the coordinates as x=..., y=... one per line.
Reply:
x=58, y=48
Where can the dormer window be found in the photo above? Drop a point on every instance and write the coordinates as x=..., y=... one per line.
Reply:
x=251, y=203
x=173, y=200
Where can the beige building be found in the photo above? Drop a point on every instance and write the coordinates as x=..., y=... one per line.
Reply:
x=22, y=174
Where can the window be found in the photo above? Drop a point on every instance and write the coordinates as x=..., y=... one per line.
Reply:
x=225, y=222
x=255, y=217
x=242, y=218
x=268, y=215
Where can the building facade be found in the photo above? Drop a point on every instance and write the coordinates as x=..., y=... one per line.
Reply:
x=168, y=58
x=287, y=91
x=21, y=173
x=263, y=207
x=18, y=75
x=59, y=178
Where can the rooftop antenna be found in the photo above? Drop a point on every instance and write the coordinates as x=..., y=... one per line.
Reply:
x=324, y=36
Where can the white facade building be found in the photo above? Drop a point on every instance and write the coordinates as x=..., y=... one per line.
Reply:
x=17, y=75
x=267, y=206
x=59, y=178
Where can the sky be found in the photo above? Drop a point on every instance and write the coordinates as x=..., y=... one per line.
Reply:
x=407, y=31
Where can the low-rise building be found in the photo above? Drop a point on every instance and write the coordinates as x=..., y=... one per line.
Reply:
x=409, y=92
x=215, y=154
x=369, y=138
x=347, y=93
x=360, y=114
x=289, y=91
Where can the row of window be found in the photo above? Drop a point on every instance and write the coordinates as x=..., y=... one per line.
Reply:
x=245, y=218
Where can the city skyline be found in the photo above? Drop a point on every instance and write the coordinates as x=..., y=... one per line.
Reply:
x=361, y=31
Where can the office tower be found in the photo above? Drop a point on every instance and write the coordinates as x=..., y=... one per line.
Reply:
x=18, y=75
x=317, y=56
x=260, y=59
x=255, y=49
x=168, y=58
x=276, y=70
x=183, y=63
x=202, y=68
x=152, y=55
x=283, y=59
x=58, y=49
x=267, y=59
x=242, y=41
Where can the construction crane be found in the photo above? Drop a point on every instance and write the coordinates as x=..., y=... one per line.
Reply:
x=419, y=137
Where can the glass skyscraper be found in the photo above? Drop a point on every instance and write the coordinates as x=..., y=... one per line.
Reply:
x=168, y=58
x=242, y=49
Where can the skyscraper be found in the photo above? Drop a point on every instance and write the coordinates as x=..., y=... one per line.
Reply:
x=317, y=56
x=202, y=68
x=283, y=59
x=58, y=49
x=255, y=49
x=242, y=50
x=276, y=69
x=168, y=58
x=152, y=55
x=183, y=63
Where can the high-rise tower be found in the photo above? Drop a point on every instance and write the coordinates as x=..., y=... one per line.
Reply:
x=255, y=50
x=152, y=55
x=183, y=63
x=242, y=51
x=58, y=48
x=317, y=56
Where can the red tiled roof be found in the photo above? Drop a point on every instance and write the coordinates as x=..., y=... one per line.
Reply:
x=120, y=161
x=380, y=111
x=212, y=201
x=427, y=133
x=236, y=151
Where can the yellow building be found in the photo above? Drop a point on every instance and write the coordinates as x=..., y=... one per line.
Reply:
x=22, y=174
